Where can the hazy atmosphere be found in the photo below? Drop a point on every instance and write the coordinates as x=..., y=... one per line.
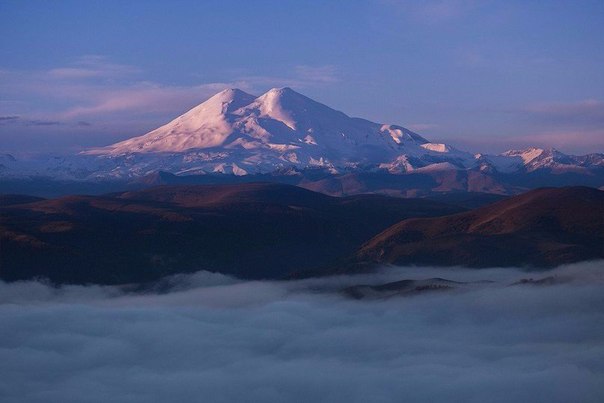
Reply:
x=482, y=75
x=211, y=337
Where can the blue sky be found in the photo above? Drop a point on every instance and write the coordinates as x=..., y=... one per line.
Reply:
x=481, y=75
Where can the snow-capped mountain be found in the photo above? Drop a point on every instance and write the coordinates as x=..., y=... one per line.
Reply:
x=533, y=159
x=283, y=132
x=236, y=132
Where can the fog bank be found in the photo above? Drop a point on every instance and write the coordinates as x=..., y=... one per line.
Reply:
x=208, y=337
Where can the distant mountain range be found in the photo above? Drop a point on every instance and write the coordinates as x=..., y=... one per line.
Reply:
x=285, y=134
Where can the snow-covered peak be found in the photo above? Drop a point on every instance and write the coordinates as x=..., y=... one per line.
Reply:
x=228, y=100
x=281, y=104
x=281, y=128
x=287, y=97
x=284, y=93
x=234, y=132
x=296, y=111
x=534, y=158
x=280, y=119
x=206, y=125
x=214, y=108
x=400, y=134
x=526, y=155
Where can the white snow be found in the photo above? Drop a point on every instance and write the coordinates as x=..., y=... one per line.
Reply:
x=255, y=132
x=440, y=166
x=237, y=133
x=437, y=147
x=527, y=155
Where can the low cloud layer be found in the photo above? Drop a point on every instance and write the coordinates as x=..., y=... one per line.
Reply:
x=207, y=337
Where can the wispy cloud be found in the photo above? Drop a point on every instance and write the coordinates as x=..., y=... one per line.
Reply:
x=92, y=66
x=317, y=74
x=143, y=98
x=588, y=111
x=573, y=141
x=301, y=76
x=433, y=11
x=564, y=139
x=43, y=123
x=422, y=126
x=95, y=87
x=441, y=10
x=19, y=121
x=103, y=101
x=573, y=127
x=8, y=118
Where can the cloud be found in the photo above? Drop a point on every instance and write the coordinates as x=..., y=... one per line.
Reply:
x=43, y=123
x=25, y=122
x=37, y=122
x=71, y=72
x=220, y=339
x=303, y=76
x=565, y=139
x=588, y=112
x=153, y=97
x=422, y=126
x=568, y=140
x=92, y=66
x=8, y=119
x=441, y=10
x=572, y=127
x=144, y=98
x=95, y=88
x=433, y=11
x=65, y=99
x=317, y=74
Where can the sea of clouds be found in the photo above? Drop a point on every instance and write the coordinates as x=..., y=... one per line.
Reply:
x=209, y=338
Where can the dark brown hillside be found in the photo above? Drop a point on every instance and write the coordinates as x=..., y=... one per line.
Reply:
x=254, y=230
x=542, y=228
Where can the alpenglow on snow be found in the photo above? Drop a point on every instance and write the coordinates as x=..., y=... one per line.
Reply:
x=234, y=132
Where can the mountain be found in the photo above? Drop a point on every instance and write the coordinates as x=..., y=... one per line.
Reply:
x=295, y=139
x=401, y=288
x=253, y=230
x=279, y=120
x=242, y=134
x=541, y=228
x=205, y=126
x=275, y=231
x=533, y=159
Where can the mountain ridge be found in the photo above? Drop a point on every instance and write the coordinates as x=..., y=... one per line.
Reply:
x=255, y=117
x=235, y=132
x=276, y=231
x=543, y=227
x=283, y=132
x=253, y=230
